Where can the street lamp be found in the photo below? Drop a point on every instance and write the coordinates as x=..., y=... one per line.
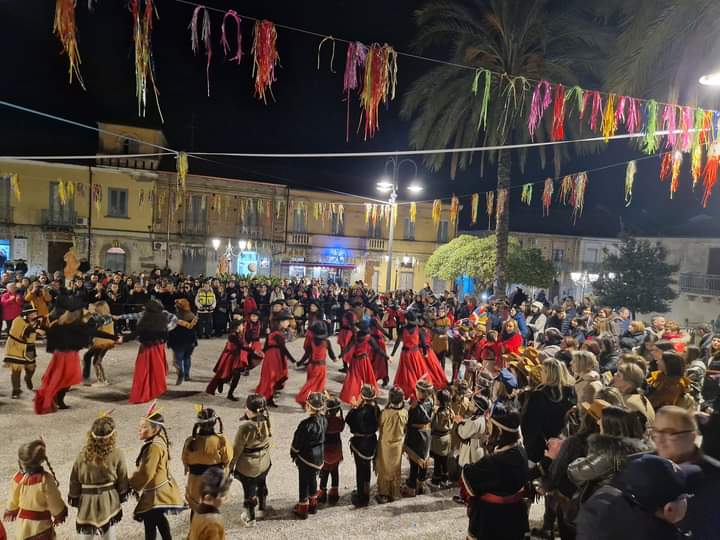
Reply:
x=216, y=243
x=389, y=184
x=710, y=79
x=582, y=280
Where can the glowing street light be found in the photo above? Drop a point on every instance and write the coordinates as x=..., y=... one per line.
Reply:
x=711, y=79
x=216, y=243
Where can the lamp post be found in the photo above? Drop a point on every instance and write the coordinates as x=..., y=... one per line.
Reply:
x=389, y=184
x=582, y=280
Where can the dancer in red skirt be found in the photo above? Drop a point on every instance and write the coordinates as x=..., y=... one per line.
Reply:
x=233, y=361
x=274, y=370
x=390, y=320
x=253, y=335
x=358, y=358
x=150, y=376
x=436, y=373
x=412, y=362
x=316, y=353
x=346, y=334
x=379, y=361
x=68, y=332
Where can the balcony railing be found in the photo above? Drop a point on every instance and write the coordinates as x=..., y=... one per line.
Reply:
x=299, y=239
x=194, y=228
x=702, y=284
x=376, y=244
x=59, y=218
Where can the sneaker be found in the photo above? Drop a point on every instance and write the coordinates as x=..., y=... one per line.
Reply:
x=247, y=522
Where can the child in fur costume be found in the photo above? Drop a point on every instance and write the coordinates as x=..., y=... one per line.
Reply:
x=20, y=348
x=207, y=523
x=388, y=461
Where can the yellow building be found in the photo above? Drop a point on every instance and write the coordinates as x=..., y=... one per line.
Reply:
x=123, y=213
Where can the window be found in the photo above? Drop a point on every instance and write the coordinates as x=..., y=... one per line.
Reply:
x=251, y=219
x=558, y=255
x=117, y=202
x=60, y=213
x=130, y=147
x=442, y=233
x=299, y=220
x=337, y=224
x=714, y=261
x=591, y=255
x=409, y=230
x=375, y=231
x=195, y=215
x=406, y=281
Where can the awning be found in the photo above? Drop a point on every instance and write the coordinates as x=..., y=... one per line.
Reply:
x=307, y=264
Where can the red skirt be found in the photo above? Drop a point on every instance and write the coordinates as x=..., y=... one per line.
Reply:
x=436, y=374
x=229, y=360
x=412, y=367
x=150, y=377
x=316, y=377
x=379, y=362
x=344, y=338
x=257, y=347
x=273, y=374
x=360, y=372
x=63, y=371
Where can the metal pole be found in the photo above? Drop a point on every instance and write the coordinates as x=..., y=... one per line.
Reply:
x=90, y=201
x=167, y=239
x=391, y=229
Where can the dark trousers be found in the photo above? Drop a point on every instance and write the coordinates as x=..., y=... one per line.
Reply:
x=90, y=358
x=390, y=333
x=362, y=476
x=254, y=487
x=333, y=475
x=440, y=468
x=205, y=325
x=183, y=358
x=307, y=481
x=155, y=521
x=441, y=356
x=15, y=376
x=417, y=474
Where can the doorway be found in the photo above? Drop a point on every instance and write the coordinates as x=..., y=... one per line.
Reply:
x=115, y=259
x=56, y=252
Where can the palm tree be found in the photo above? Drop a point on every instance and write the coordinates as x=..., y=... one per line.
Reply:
x=522, y=39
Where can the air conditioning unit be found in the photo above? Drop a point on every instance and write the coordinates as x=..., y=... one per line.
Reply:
x=81, y=221
x=159, y=246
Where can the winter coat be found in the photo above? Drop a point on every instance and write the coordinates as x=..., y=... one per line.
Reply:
x=536, y=323
x=638, y=402
x=543, y=417
x=12, y=304
x=606, y=456
x=587, y=385
x=521, y=324
x=608, y=361
x=665, y=390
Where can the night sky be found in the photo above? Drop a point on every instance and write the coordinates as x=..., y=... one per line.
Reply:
x=308, y=115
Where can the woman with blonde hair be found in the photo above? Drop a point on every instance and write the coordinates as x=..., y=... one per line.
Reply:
x=585, y=367
x=99, y=482
x=629, y=380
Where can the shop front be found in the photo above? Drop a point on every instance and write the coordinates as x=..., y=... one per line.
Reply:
x=330, y=265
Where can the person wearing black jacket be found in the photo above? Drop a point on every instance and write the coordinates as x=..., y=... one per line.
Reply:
x=363, y=422
x=418, y=438
x=262, y=299
x=307, y=451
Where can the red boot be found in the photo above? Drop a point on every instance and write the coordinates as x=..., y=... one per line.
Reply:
x=312, y=505
x=301, y=510
x=333, y=496
x=321, y=496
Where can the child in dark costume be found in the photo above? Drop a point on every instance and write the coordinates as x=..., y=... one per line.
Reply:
x=363, y=423
x=417, y=438
x=333, y=453
x=307, y=453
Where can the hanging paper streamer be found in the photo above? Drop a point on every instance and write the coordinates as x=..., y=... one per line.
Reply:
x=70, y=191
x=698, y=124
x=474, y=202
x=62, y=195
x=436, y=212
x=676, y=163
x=541, y=100
x=501, y=199
x=490, y=206
x=265, y=58
x=547, y=196
x=576, y=93
x=710, y=175
x=454, y=211
x=413, y=212
x=482, y=123
x=379, y=82
x=668, y=124
x=80, y=189
x=181, y=166
x=332, y=54
x=577, y=198
x=609, y=122
x=526, y=195
x=354, y=62
x=650, y=144
x=630, y=173
x=596, y=108
x=195, y=36
x=144, y=61
x=686, y=123
x=620, y=110
x=65, y=29
x=238, y=36
x=696, y=164
x=633, y=116
x=368, y=209
x=665, y=166
x=15, y=185
x=566, y=187
x=95, y=195
x=558, y=129
x=141, y=198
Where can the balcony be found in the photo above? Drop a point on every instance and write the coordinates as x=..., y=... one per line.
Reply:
x=376, y=244
x=194, y=228
x=58, y=218
x=298, y=239
x=699, y=284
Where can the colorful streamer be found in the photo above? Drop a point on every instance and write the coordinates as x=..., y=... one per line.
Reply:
x=206, y=38
x=669, y=124
x=474, y=202
x=436, y=212
x=490, y=206
x=65, y=28
x=632, y=123
x=577, y=198
x=710, y=176
x=454, y=211
x=696, y=164
x=630, y=173
x=354, y=62
x=597, y=109
x=650, y=143
x=609, y=120
x=578, y=94
x=238, y=36
x=526, y=195
x=566, y=187
x=676, y=164
x=547, y=196
x=665, y=166
x=558, y=129
x=686, y=123
x=413, y=212
x=144, y=60
x=501, y=201
x=265, y=58
x=482, y=122
x=541, y=100
x=379, y=83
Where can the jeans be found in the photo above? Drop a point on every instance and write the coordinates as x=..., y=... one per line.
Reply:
x=183, y=356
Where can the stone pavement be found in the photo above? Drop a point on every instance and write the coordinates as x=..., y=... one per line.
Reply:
x=432, y=516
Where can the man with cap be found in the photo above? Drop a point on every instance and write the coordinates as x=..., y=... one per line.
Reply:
x=417, y=438
x=645, y=501
x=20, y=348
x=496, y=483
x=307, y=451
x=363, y=423
x=536, y=321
